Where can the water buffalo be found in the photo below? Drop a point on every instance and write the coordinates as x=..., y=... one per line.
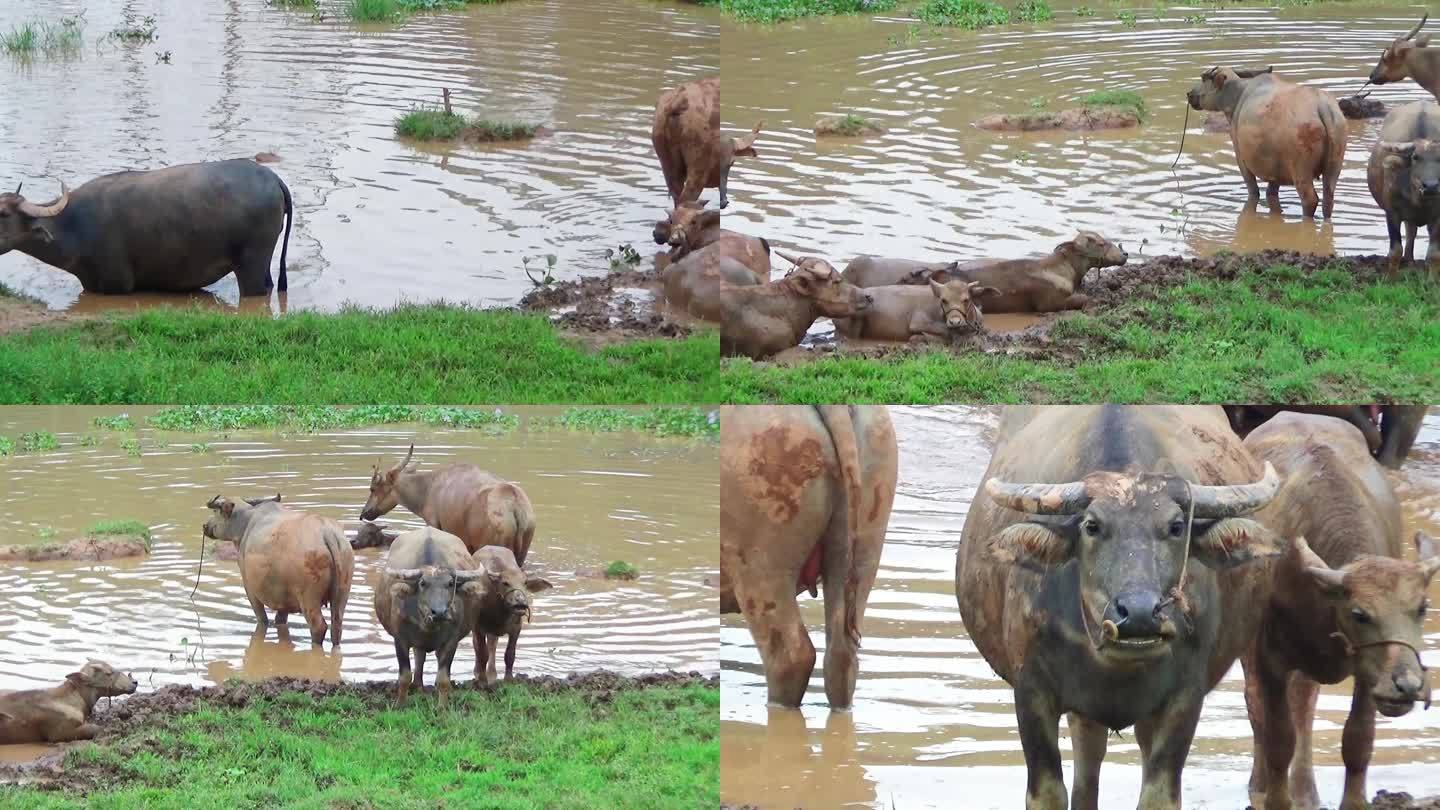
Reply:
x=167, y=230
x=761, y=320
x=1284, y=134
x=499, y=613
x=693, y=285
x=692, y=227
x=1049, y=283
x=693, y=154
x=874, y=271
x=426, y=600
x=905, y=311
x=1352, y=607
x=61, y=713
x=372, y=535
x=290, y=561
x=1410, y=57
x=479, y=507
x=805, y=497
x=1404, y=179
x=1389, y=430
x=1101, y=574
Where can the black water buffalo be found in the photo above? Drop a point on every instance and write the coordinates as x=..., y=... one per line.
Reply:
x=1389, y=430
x=168, y=230
x=1078, y=585
x=1404, y=179
x=426, y=600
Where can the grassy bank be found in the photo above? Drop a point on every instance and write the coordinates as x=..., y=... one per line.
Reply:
x=1276, y=335
x=434, y=124
x=398, y=10
x=415, y=354
x=522, y=746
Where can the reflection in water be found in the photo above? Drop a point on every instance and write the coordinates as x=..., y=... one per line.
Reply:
x=650, y=502
x=934, y=187
x=1260, y=228
x=933, y=726
x=377, y=220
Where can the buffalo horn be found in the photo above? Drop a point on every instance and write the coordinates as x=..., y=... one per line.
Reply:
x=1039, y=499
x=1237, y=499
x=787, y=257
x=50, y=209
x=1418, y=26
x=214, y=503
x=466, y=576
x=1397, y=149
x=406, y=574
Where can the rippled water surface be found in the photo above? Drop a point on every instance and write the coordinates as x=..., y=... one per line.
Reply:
x=651, y=502
x=932, y=723
x=934, y=187
x=378, y=220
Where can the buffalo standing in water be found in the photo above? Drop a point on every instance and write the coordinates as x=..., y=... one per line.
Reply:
x=168, y=230
x=1404, y=178
x=686, y=135
x=1120, y=597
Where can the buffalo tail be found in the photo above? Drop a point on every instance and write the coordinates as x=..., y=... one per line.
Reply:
x=285, y=245
x=840, y=422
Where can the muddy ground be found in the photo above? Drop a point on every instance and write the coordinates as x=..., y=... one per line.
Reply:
x=122, y=717
x=88, y=549
x=621, y=305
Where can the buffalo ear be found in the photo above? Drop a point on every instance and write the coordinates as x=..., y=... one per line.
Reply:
x=984, y=292
x=1233, y=541
x=227, y=507
x=474, y=589
x=1030, y=545
x=400, y=590
x=537, y=584
x=1429, y=555
x=938, y=289
x=77, y=678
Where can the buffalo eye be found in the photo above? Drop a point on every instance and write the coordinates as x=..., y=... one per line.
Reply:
x=1361, y=617
x=1424, y=606
x=1091, y=526
x=1177, y=527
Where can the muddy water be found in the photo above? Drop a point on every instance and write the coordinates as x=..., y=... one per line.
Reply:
x=933, y=187
x=648, y=501
x=379, y=220
x=931, y=720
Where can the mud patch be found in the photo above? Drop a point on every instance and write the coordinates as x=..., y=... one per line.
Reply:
x=605, y=309
x=87, y=549
x=1385, y=800
x=1079, y=119
x=20, y=315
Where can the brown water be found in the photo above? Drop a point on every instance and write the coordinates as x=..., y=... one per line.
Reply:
x=934, y=187
x=597, y=498
x=933, y=723
x=378, y=220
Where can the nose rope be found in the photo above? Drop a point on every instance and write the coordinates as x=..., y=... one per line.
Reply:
x=1178, y=153
x=1351, y=648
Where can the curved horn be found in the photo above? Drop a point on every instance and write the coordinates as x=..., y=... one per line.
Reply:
x=17, y=188
x=406, y=574
x=748, y=141
x=1238, y=499
x=1252, y=73
x=49, y=209
x=467, y=575
x=1418, y=26
x=258, y=501
x=787, y=257
x=213, y=503
x=1039, y=499
x=408, y=456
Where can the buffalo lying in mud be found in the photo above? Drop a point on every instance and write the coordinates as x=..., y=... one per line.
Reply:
x=693, y=154
x=499, y=612
x=874, y=271
x=1389, y=430
x=167, y=230
x=1102, y=574
x=1352, y=607
x=805, y=497
x=61, y=713
x=761, y=320
x=1404, y=179
x=1283, y=133
x=906, y=311
x=1410, y=57
x=426, y=600
x=692, y=227
x=290, y=561
x=694, y=284
x=480, y=508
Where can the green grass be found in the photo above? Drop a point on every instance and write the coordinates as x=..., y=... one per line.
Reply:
x=131, y=446
x=7, y=446
x=38, y=441
x=1279, y=336
x=393, y=10
x=121, y=422
x=516, y=748
x=970, y=15
x=426, y=123
x=1034, y=11
x=135, y=31
x=417, y=354
x=294, y=4
x=311, y=418
x=1084, y=11
x=373, y=10
x=62, y=38
x=1126, y=17
x=619, y=569
x=689, y=421
x=775, y=11
x=1120, y=99
x=121, y=528
x=848, y=125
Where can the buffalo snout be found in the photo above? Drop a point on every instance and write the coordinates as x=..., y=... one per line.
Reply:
x=1430, y=188
x=1136, y=614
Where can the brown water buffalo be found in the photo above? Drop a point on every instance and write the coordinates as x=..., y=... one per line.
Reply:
x=1389, y=430
x=477, y=506
x=1345, y=605
x=874, y=271
x=372, y=535
x=693, y=154
x=500, y=612
x=805, y=496
x=692, y=227
x=290, y=561
x=905, y=311
x=693, y=285
x=1404, y=179
x=1284, y=134
x=761, y=320
x=167, y=230
x=61, y=713
x=1101, y=573
x=427, y=601
x=1410, y=57
x=1046, y=284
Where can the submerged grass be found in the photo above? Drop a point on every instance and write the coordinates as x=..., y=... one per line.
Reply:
x=434, y=124
x=619, y=569
x=848, y=125
x=691, y=422
x=62, y=38
x=416, y=354
x=38, y=441
x=518, y=747
x=394, y=10
x=120, y=422
x=1276, y=335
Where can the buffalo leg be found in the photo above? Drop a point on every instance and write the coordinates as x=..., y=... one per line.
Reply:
x=1039, y=724
x=261, y=620
x=1304, y=693
x=1432, y=251
x=482, y=653
x=281, y=618
x=842, y=662
x=252, y=268
x=1332, y=178
x=316, y=620
x=443, y=658
x=82, y=731
x=1279, y=733
x=419, y=668
x=337, y=616
x=1087, y=740
x=1075, y=301
x=1255, y=708
x=1164, y=741
x=494, y=644
x=785, y=648
x=1392, y=223
x=694, y=185
x=402, y=686
x=1356, y=744
x=1251, y=185
x=1272, y=196
x=1410, y=230
x=510, y=654
x=1308, y=198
